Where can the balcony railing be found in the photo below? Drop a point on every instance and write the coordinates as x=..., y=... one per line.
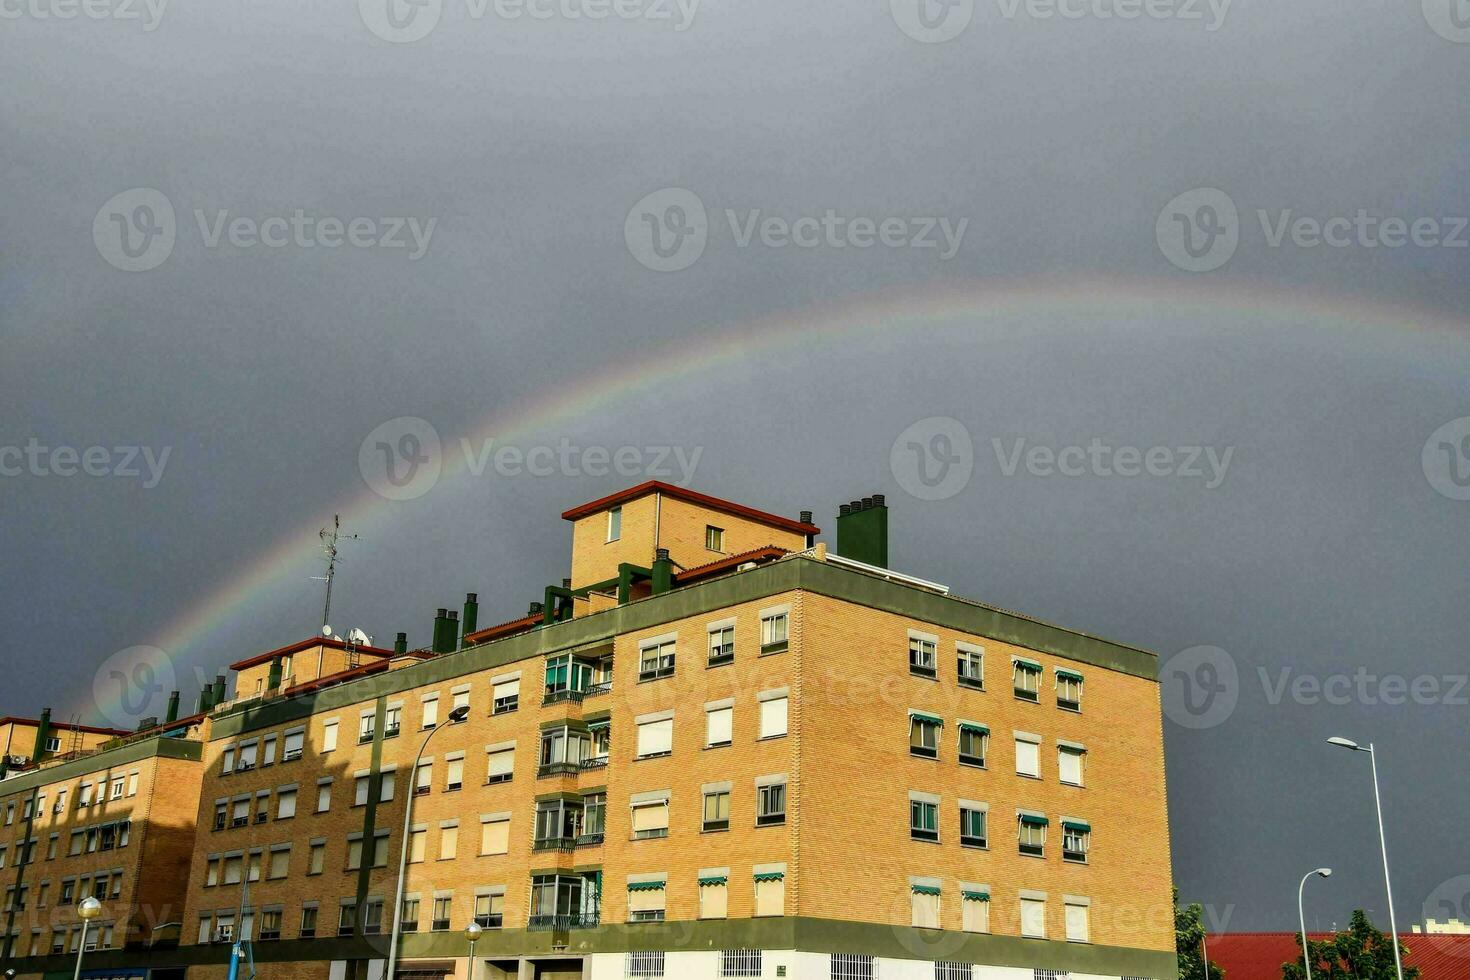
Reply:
x=590, y=840
x=558, y=769
x=595, y=689
x=555, y=844
x=565, y=694
x=595, y=762
x=562, y=923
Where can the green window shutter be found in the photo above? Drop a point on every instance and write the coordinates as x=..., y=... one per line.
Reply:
x=975, y=896
x=1070, y=675
x=1077, y=825
x=770, y=876
x=646, y=886
x=925, y=890
x=713, y=880
x=1033, y=820
x=924, y=717
x=976, y=729
x=1028, y=664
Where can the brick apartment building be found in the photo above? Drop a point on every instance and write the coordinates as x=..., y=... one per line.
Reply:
x=718, y=749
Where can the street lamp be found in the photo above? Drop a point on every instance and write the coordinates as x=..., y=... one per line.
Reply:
x=1393, y=929
x=456, y=716
x=1302, y=915
x=88, y=910
x=472, y=933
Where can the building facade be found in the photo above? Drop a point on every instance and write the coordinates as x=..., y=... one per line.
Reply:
x=717, y=749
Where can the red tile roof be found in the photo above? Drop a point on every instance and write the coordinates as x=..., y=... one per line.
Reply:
x=693, y=497
x=1259, y=955
x=63, y=726
x=762, y=554
x=306, y=644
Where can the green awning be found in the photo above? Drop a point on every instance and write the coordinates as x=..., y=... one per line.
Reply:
x=1070, y=675
x=1023, y=662
x=1076, y=825
x=975, y=896
x=1034, y=820
x=713, y=880
x=646, y=886
x=925, y=890
x=966, y=726
x=924, y=716
x=770, y=876
x=593, y=726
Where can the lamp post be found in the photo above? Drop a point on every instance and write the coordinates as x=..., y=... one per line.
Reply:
x=455, y=717
x=1393, y=929
x=1302, y=915
x=88, y=910
x=472, y=933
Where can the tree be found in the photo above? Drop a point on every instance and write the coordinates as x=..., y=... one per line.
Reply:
x=1189, y=931
x=1359, y=952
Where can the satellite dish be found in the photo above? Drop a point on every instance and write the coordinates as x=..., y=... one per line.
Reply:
x=326, y=631
x=358, y=638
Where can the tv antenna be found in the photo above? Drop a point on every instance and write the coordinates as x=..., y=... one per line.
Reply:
x=329, y=548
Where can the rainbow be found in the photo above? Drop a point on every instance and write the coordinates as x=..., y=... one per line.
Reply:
x=970, y=307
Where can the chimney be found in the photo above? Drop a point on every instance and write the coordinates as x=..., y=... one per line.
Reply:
x=205, y=702
x=219, y=689
x=535, y=609
x=173, y=708
x=441, y=624
x=862, y=531
x=400, y=644
x=273, y=679
x=471, y=616
x=146, y=723
x=806, y=518
x=43, y=730
x=663, y=571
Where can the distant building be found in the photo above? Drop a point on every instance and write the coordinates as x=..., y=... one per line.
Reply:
x=1449, y=927
x=1259, y=955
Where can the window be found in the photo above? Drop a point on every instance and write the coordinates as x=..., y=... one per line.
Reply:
x=1026, y=678
x=646, y=901
x=227, y=766
x=117, y=788
x=1069, y=690
x=721, y=643
x=448, y=841
x=423, y=777
x=950, y=970
x=655, y=734
x=316, y=857
x=924, y=904
x=502, y=764
x=974, y=909
x=324, y=796
x=270, y=924
x=1077, y=924
x=853, y=966
x=971, y=665
x=268, y=753
x=770, y=891
x=308, y=921
x=495, y=834
x=922, y=652
x=714, y=895
x=409, y=920
x=460, y=698
x=490, y=910
x=645, y=963
x=372, y=916
x=392, y=720
x=240, y=812
x=924, y=735
x=285, y=803
x=1028, y=755
x=346, y=917
x=366, y=727
x=506, y=695
x=329, y=743
x=1069, y=763
x=280, y=861
x=354, y=852
x=718, y=723
x=615, y=531
x=246, y=757
x=974, y=740
x=716, y=809
x=1076, y=839
x=361, y=786
x=431, y=712
x=594, y=817
x=923, y=816
x=133, y=784
x=294, y=745
x=1033, y=915
x=656, y=659
x=650, y=816
x=233, y=869
x=773, y=713
x=1032, y=834
x=714, y=538
x=770, y=803
x=418, y=841
x=453, y=772
x=740, y=963
x=972, y=824
x=775, y=631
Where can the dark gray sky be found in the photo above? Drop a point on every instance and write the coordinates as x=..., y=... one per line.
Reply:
x=1064, y=157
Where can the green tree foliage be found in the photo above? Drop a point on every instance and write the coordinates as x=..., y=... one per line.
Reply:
x=1189, y=930
x=1359, y=952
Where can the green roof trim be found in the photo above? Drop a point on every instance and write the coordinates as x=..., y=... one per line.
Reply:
x=647, y=886
x=966, y=726
x=1077, y=825
x=714, y=880
x=926, y=717
x=770, y=876
x=1034, y=820
x=925, y=889
x=1023, y=662
x=975, y=896
x=1070, y=675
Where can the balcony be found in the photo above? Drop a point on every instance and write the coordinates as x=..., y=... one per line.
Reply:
x=558, y=769
x=595, y=762
x=555, y=844
x=595, y=689
x=562, y=923
x=565, y=694
x=590, y=840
